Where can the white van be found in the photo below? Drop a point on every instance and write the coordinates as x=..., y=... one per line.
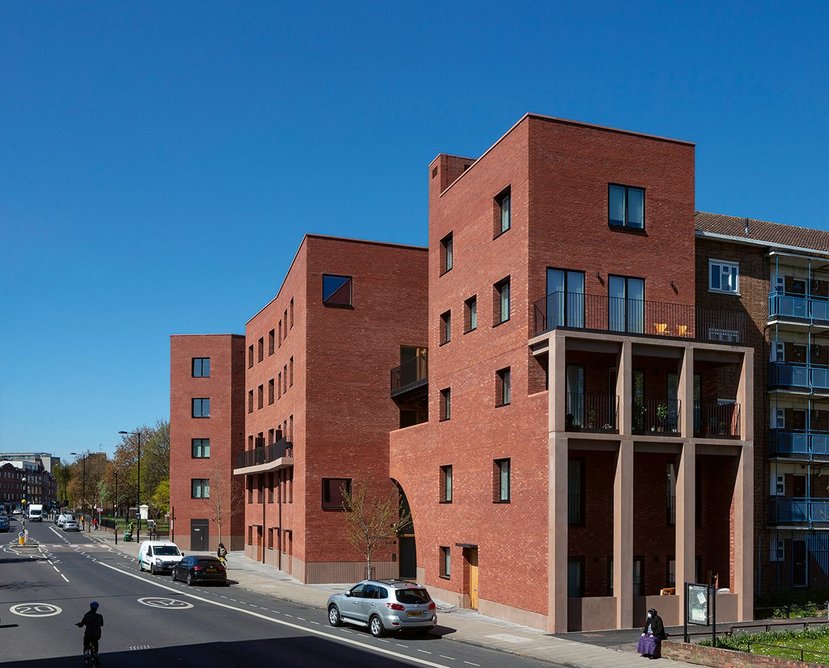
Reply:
x=158, y=555
x=36, y=512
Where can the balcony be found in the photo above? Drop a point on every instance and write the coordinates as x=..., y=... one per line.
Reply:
x=592, y=413
x=804, y=377
x=807, y=511
x=798, y=308
x=651, y=416
x=267, y=454
x=806, y=443
x=600, y=313
x=410, y=375
x=716, y=420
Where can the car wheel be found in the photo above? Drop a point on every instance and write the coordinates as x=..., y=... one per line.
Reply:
x=140, y=566
x=334, y=616
x=173, y=574
x=189, y=579
x=375, y=627
x=152, y=569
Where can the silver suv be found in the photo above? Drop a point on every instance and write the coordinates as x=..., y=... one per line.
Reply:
x=383, y=606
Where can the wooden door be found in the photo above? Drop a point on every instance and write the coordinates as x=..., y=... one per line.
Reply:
x=472, y=560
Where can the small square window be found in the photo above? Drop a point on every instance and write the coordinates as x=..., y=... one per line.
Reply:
x=445, y=562
x=200, y=448
x=201, y=408
x=445, y=327
x=200, y=488
x=503, y=212
x=503, y=387
x=501, y=482
x=446, y=254
x=470, y=314
x=336, y=290
x=446, y=484
x=201, y=367
x=445, y=404
x=724, y=277
x=334, y=491
x=626, y=207
x=502, y=301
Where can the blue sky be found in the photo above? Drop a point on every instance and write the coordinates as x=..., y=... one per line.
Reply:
x=160, y=162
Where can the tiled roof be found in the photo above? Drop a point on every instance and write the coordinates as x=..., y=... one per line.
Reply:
x=761, y=230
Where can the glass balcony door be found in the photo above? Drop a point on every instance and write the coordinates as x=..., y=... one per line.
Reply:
x=626, y=307
x=565, y=298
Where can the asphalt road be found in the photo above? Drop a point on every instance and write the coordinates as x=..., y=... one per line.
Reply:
x=152, y=621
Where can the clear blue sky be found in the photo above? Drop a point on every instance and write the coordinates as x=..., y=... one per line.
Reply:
x=160, y=162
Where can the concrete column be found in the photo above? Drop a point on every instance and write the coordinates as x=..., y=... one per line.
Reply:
x=623, y=536
x=557, y=490
x=744, y=495
x=624, y=387
x=685, y=519
x=685, y=393
x=745, y=396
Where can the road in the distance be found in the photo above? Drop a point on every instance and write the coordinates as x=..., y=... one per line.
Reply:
x=149, y=620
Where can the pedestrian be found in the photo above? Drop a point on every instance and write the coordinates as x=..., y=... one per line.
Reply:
x=94, y=523
x=222, y=553
x=93, y=621
x=653, y=633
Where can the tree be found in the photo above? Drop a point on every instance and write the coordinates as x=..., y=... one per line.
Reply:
x=372, y=519
x=225, y=493
x=155, y=464
x=160, y=501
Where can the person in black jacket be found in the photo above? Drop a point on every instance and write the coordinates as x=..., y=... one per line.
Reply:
x=653, y=633
x=93, y=621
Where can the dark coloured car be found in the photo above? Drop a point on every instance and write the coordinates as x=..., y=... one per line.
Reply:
x=200, y=568
x=4, y=523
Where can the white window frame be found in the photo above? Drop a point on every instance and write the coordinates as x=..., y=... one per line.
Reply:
x=726, y=270
x=778, y=418
x=777, y=550
x=778, y=351
x=778, y=484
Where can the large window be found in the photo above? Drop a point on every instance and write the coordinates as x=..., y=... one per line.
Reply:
x=446, y=484
x=201, y=408
x=724, y=276
x=502, y=301
x=336, y=291
x=200, y=448
x=332, y=492
x=503, y=387
x=201, y=367
x=200, y=488
x=446, y=404
x=503, y=212
x=626, y=304
x=626, y=207
x=565, y=298
x=501, y=481
x=446, y=254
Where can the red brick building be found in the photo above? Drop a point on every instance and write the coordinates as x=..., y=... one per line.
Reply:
x=207, y=427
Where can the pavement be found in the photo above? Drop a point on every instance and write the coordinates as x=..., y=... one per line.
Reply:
x=609, y=649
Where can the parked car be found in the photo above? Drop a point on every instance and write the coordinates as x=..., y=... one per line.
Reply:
x=200, y=568
x=63, y=517
x=384, y=606
x=4, y=523
x=71, y=525
x=158, y=555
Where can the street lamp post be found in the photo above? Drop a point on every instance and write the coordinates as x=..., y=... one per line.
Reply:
x=137, y=434
x=83, y=485
x=115, y=508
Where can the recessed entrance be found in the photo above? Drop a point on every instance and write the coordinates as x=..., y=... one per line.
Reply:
x=470, y=588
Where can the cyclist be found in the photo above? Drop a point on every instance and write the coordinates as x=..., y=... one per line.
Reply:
x=222, y=554
x=93, y=621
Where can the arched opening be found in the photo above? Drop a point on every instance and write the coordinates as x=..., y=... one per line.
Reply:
x=407, y=548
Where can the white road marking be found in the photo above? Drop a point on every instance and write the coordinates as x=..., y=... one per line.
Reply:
x=472, y=664
x=298, y=627
x=64, y=577
x=443, y=656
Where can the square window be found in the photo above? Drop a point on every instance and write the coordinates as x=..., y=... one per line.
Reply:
x=200, y=488
x=445, y=404
x=626, y=207
x=271, y=341
x=445, y=562
x=502, y=301
x=501, y=486
x=503, y=212
x=334, y=491
x=201, y=367
x=445, y=327
x=336, y=290
x=201, y=408
x=724, y=277
x=503, y=387
x=446, y=254
x=200, y=448
x=446, y=484
x=470, y=314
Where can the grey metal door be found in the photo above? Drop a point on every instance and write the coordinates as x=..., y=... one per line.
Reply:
x=200, y=535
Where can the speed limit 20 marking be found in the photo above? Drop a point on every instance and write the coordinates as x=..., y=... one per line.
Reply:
x=165, y=603
x=35, y=610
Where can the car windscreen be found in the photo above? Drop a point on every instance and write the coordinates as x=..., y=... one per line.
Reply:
x=166, y=551
x=413, y=596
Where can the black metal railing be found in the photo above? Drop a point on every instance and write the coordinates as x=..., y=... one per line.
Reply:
x=654, y=416
x=410, y=374
x=264, y=454
x=570, y=310
x=591, y=412
x=716, y=420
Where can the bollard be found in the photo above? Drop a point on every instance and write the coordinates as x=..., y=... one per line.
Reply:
x=21, y=538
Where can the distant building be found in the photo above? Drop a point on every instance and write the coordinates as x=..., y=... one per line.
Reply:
x=23, y=476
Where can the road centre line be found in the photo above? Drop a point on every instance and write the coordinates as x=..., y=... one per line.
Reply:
x=298, y=627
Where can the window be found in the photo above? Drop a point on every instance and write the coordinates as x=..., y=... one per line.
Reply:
x=501, y=486
x=778, y=484
x=291, y=372
x=201, y=367
x=200, y=448
x=575, y=492
x=291, y=313
x=261, y=349
x=638, y=576
x=270, y=391
x=626, y=207
x=332, y=492
x=260, y=397
x=575, y=577
x=626, y=304
x=200, y=488
x=503, y=387
x=502, y=301
x=446, y=404
x=280, y=334
x=724, y=277
x=270, y=539
x=250, y=356
x=285, y=320
x=284, y=379
x=565, y=298
x=503, y=212
x=445, y=562
x=446, y=254
x=201, y=408
x=290, y=434
x=250, y=401
x=271, y=342
x=445, y=327
x=670, y=494
x=470, y=314
x=336, y=290
x=446, y=484
x=777, y=550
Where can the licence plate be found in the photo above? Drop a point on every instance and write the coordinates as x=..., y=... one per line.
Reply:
x=415, y=613
x=209, y=570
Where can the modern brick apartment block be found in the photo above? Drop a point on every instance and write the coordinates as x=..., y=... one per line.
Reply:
x=207, y=426
x=780, y=275
x=318, y=405
x=589, y=442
